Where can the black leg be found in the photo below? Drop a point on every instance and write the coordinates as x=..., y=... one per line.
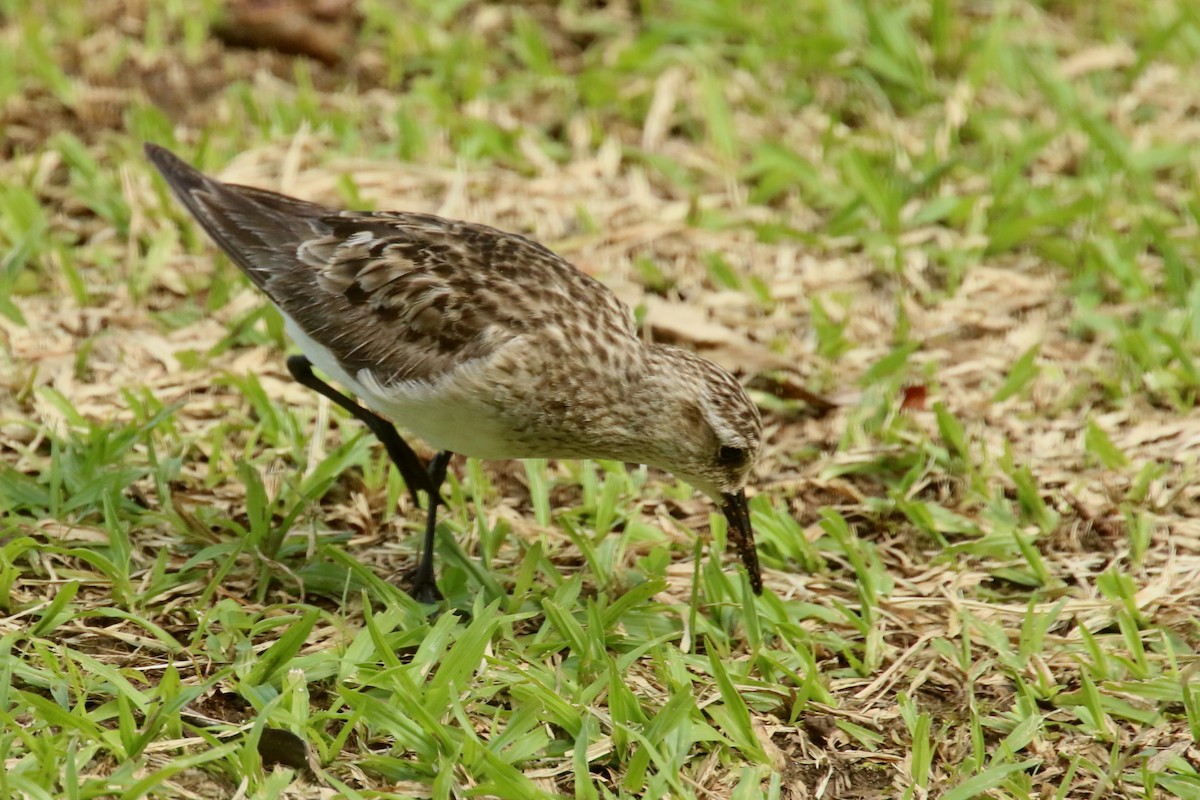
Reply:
x=416, y=477
x=409, y=464
x=424, y=582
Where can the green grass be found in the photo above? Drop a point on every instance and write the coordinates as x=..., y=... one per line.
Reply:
x=989, y=594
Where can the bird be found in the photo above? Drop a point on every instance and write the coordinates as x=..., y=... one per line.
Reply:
x=479, y=342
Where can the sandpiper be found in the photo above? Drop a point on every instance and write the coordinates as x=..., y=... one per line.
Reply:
x=480, y=342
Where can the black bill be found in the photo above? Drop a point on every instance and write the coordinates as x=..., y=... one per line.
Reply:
x=741, y=535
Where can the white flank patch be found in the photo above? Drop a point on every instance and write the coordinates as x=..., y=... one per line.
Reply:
x=443, y=413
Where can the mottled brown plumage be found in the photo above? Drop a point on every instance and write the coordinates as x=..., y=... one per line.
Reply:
x=481, y=342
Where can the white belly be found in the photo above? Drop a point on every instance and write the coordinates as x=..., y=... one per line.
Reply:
x=443, y=414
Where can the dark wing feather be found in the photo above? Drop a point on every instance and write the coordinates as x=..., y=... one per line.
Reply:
x=408, y=296
x=255, y=228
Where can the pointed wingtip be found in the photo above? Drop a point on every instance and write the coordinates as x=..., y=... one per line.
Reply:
x=165, y=161
x=181, y=176
x=158, y=154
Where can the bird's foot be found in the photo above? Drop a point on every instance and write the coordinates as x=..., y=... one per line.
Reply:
x=424, y=590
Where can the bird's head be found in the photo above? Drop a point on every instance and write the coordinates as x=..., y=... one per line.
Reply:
x=711, y=438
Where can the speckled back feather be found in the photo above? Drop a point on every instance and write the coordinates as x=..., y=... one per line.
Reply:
x=406, y=295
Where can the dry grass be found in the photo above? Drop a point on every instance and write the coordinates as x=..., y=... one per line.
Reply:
x=983, y=564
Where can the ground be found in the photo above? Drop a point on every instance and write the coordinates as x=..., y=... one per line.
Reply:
x=968, y=229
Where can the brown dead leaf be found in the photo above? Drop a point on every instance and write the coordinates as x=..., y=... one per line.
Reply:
x=321, y=29
x=681, y=323
x=914, y=397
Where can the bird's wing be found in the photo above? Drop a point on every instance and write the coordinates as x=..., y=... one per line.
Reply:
x=407, y=296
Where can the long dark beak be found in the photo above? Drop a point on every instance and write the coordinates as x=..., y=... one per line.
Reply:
x=741, y=535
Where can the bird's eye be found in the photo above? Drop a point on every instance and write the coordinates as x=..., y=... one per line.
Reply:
x=731, y=456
